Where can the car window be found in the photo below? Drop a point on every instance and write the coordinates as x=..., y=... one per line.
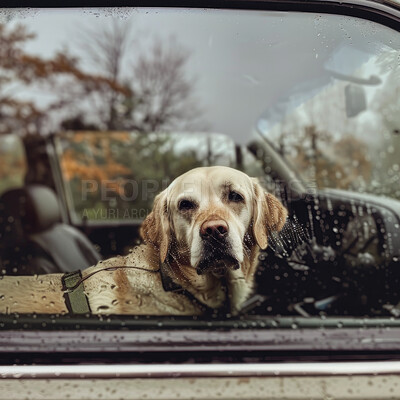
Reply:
x=110, y=111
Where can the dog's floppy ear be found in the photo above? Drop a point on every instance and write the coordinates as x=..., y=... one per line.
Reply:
x=155, y=228
x=268, y=215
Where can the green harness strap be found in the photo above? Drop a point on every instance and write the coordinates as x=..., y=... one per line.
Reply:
x=75, y=297
x=77, y=302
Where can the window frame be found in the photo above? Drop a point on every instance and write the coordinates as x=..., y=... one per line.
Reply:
x=75, y=332
x=385, y=12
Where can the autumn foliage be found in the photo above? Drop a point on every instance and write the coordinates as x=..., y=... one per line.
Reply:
x=86, y=165
x=59, y=76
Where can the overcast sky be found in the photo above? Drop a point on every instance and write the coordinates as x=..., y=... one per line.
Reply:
x=242, y=64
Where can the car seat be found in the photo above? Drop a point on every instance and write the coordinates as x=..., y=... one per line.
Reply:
x=33, y=240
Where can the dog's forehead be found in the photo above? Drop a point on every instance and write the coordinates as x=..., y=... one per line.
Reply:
x=209, y=180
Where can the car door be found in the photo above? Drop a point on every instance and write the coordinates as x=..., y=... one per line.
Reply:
x=108, y=105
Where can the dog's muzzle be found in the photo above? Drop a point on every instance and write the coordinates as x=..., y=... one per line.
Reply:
x=216, y=259
x=216, y=254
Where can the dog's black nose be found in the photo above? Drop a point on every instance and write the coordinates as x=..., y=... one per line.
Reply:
x=216, y=229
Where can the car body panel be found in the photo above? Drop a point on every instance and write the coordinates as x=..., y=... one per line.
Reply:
x=289, y=380
x=365, y=387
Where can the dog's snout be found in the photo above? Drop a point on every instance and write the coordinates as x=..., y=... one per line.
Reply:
x=216, y=229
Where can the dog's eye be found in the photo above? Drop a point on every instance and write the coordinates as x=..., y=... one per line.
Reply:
x=234, y=196
x=186, y=205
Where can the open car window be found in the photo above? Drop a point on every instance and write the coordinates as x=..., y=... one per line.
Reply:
x=110, y=110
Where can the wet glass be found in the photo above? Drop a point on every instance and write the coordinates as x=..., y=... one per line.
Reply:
x=112, y=107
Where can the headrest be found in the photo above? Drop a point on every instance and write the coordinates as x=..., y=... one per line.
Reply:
x=35, y=205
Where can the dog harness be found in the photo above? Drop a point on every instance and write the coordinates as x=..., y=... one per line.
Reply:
x=74, y=295
x=77, y=302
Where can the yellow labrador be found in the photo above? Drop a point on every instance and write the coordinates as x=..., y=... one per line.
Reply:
x=201, y=243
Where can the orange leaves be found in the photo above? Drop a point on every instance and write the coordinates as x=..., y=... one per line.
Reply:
x=38, y=68
x=93, y=137
x=93, y=159
x=59, y=76
x=74, y=167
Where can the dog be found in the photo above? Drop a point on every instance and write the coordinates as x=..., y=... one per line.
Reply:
x=200, y=253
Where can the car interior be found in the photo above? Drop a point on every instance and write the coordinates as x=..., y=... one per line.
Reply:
x=324, y=262
x=36, y=241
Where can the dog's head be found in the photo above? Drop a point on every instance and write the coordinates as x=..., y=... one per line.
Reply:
x=210, y=217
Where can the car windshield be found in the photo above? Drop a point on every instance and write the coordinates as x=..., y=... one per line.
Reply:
x=102, y=110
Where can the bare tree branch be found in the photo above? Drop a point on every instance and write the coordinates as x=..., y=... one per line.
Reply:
x=106, y=49
x=161, y=96
x=164, y=95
